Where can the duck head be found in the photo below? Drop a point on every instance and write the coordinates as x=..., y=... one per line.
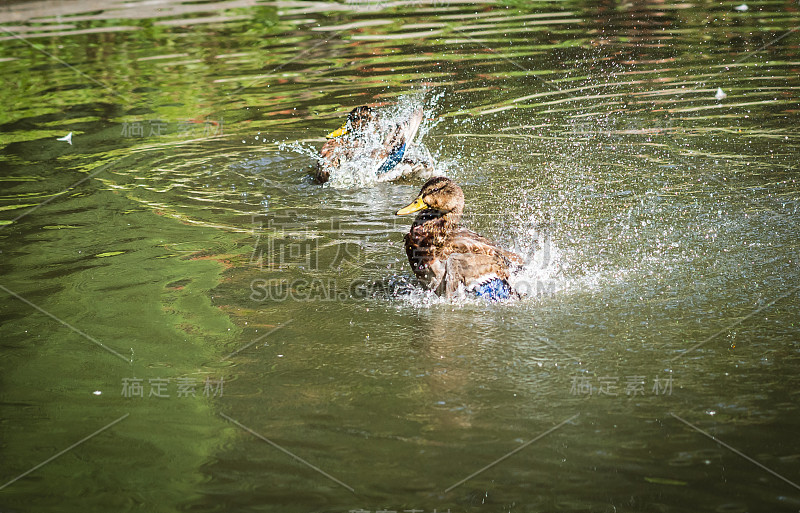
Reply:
x=440, y=202
x=357, y=121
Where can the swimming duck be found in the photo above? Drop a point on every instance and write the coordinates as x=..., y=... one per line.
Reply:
x=446, y=257
x=391, y=152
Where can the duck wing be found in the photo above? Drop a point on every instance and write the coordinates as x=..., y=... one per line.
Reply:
x=397, y=142
x=478, y=265
x=417, y=162
x=466, y=241
x=483, y=275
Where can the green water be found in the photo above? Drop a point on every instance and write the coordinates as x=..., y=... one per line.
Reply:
x=179, y=239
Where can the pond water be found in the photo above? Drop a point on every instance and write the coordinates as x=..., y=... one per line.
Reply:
x=190, y=324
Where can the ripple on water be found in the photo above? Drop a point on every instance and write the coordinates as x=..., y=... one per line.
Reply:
x=589, y=137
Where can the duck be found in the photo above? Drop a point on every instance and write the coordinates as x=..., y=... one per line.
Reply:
x=390, y=150
x=447, y=258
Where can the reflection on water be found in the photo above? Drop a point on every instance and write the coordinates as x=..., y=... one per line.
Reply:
x=181, y=229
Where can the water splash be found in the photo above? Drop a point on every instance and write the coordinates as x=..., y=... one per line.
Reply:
x=361, y=171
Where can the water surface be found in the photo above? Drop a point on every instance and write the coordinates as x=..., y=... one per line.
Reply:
x=180, y=241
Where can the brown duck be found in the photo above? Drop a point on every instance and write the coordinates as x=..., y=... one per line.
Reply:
x=446, y=257
x=393, y=155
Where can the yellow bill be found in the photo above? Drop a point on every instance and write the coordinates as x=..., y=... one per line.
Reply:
x=417, y=205
x=342, y=130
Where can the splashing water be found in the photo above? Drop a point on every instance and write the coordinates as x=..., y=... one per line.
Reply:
x=362, y=170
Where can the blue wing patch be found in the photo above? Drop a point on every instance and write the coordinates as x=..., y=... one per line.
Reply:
x=393, y=159
x=493, y=290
